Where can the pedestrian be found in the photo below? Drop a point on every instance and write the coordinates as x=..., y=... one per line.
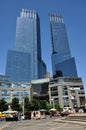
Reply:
x=50, y=114
x=34, y=115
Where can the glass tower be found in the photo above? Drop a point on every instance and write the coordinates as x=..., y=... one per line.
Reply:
x=62, y=61
x=27, y=44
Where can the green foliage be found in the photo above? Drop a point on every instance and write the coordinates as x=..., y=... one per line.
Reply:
x=27, y=104
x=48, y=106
x=42, y=104
x=3, y=105
x=35, y=105
x=15, y=105
x=57, y=106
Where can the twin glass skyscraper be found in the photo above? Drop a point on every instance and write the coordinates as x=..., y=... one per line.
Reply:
x=62, y=61
x=25, y=62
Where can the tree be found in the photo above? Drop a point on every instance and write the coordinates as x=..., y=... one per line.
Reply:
x=42, y=104
x=35, y=104
x=3, y=105
x=48, y=106
x=57, y=106
x=15, y=105
x=27, y=104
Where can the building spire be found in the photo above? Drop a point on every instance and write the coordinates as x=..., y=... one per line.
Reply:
x=28, y=13
x=56, y=18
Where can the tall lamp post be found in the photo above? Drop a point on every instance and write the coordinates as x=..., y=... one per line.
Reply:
x=72, y=98
x=23, y=102
x=52, y=100
x=23, y=105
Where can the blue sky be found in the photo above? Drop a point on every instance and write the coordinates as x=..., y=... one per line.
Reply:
x=74, y=15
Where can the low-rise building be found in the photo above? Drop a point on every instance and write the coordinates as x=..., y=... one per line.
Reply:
x=10, y=90
x=67, y=91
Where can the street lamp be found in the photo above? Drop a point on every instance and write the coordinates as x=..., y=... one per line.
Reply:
x=52, y=100
x=23, y=106
x=23, y=102
x=72, y=98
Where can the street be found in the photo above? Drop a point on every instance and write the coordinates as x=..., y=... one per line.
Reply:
x=43, y=124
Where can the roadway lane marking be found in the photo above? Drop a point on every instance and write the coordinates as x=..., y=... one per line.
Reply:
x=52, y=129
x=5, y=126
x=62, y=125
x=57, y=127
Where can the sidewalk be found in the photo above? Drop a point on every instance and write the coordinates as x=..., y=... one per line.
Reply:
x=79, y=122
x=72, y=122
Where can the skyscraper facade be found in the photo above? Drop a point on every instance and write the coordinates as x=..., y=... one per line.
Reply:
x=62, y=61
x=27, y=44
x=18, y=66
